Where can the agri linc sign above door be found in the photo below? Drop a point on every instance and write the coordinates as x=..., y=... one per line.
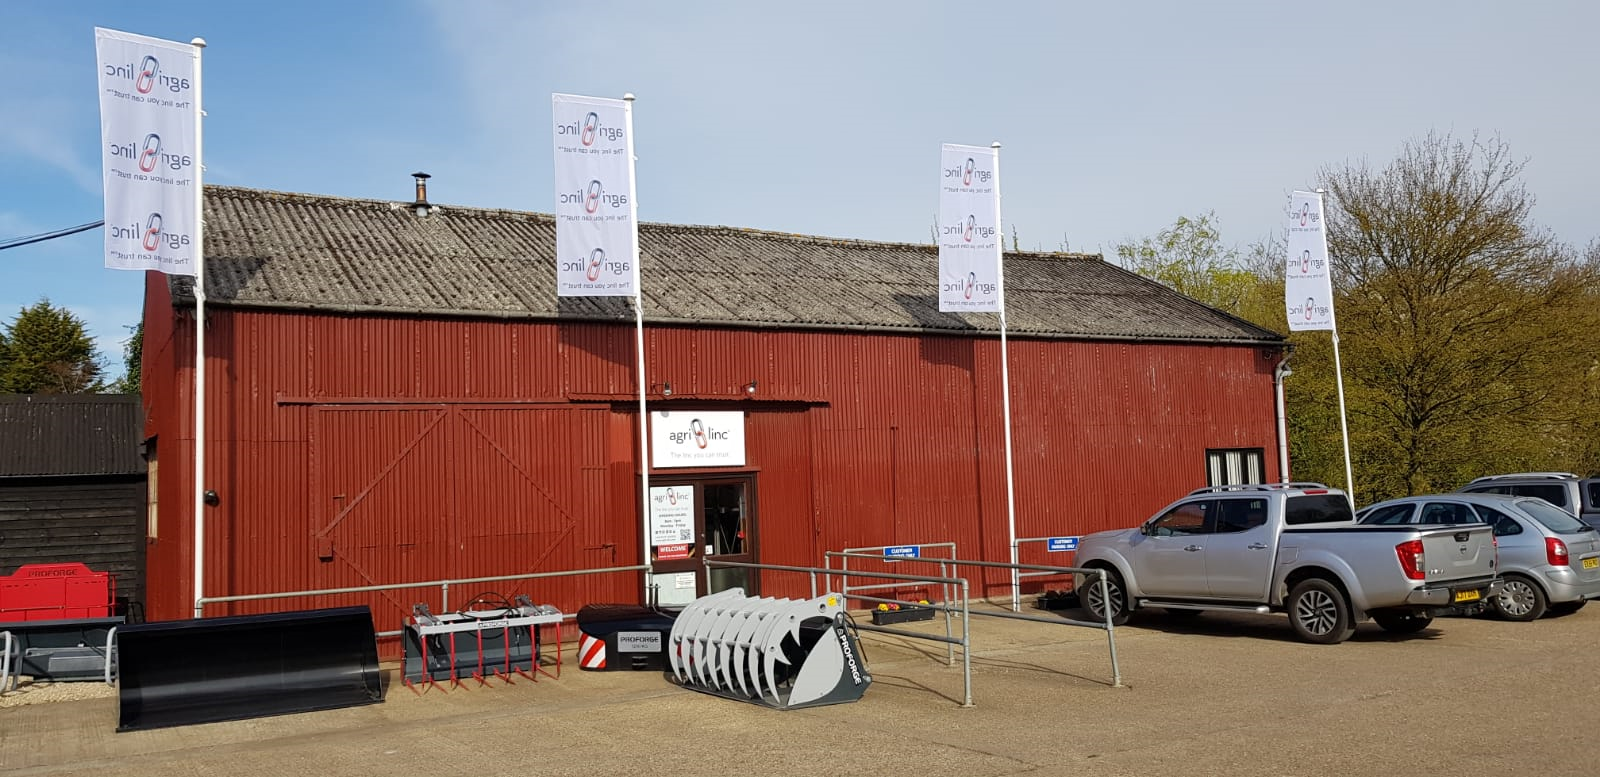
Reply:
x=687, y=438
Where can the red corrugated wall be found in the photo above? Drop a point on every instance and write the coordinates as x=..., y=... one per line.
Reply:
x=361, y=450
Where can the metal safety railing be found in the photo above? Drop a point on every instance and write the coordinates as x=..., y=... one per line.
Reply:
x=111, y=656
x=1099, y=574
x=884, y=554
x=949, y=638
x=6, y=666
x=443, y=585
x=1029, y=540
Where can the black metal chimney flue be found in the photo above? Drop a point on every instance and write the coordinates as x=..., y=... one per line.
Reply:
x=421, y=205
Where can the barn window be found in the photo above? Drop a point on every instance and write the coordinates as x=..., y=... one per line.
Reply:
x=1233, y=466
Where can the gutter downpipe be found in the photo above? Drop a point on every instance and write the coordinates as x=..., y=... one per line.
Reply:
x=1278, y=374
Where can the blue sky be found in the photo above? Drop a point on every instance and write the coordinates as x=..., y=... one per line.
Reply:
x=821, y=117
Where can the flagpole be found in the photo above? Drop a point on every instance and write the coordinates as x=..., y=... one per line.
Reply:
x=1338, y=370
x=1005, y=385
x=199, y=341
x=638, y=330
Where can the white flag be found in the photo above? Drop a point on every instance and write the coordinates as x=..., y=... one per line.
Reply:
x=1307, y=282
x=597, y=236
x=969, y=230
x=149, y=115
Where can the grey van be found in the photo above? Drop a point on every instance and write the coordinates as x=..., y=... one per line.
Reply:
x=1576, y=495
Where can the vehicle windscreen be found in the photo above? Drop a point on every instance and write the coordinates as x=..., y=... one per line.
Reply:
x=1554, y=518
x=1317, y=508
x=1554, y=494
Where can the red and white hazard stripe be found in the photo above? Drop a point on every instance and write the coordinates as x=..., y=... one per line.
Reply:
x=591, y=652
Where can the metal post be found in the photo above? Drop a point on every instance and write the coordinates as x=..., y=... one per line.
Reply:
x=1005, y=385
x=813, y=584
x=199, y=44
x=966, y=643
x=1338, y=371
x=638, y=318
x=1105, y=607
x=949, y=649
x=444, y=597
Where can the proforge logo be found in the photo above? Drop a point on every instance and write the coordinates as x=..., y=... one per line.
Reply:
x=701, y=433
x=150, y=154
x=968, y=172
x=592, y=197
x=147, y=76
x=849, y=654
x=595, y=265
x=151, y=237
x=589, y=130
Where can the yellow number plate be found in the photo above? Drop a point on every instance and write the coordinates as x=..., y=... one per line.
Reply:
x=1591, y=563
x=1468, y=596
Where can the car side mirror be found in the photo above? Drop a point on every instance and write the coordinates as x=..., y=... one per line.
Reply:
x=1144, y=529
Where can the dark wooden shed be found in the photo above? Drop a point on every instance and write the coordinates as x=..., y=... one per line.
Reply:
x=73, y=484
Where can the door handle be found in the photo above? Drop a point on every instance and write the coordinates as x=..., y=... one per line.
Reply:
x=1257, y=546
x=1191, y=548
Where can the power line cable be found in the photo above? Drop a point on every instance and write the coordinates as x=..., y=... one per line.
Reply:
x=18, y=242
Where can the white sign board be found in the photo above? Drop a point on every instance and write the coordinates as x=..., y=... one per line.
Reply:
x=149, y=119
x=596, y=234
x=688, y=438
x=671, y=521
x=969, y=230
x=1307, y=281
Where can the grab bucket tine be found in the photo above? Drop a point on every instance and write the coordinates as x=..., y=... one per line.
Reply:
x=175, y=673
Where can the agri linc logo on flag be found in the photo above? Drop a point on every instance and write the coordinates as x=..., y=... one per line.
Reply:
x=595, y=230
x=1307, y=287
x=149, y=114
x=969, y=230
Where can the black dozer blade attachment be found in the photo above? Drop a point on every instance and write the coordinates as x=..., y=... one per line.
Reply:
x=176, y=673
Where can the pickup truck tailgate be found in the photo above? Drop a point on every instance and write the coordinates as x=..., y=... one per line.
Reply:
x=1457, y=552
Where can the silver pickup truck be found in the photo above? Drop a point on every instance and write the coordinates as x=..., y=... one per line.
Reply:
x=1294, y=548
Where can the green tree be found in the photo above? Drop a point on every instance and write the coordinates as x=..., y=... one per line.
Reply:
x=47, y=350
x=1461, y=321
x=1190, y=258
x=132, y=356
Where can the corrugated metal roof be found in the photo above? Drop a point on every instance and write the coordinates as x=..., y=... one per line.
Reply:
x=272, y=249
x=70, y=434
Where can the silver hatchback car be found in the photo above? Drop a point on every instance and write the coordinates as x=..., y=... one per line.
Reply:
x=1550, y=560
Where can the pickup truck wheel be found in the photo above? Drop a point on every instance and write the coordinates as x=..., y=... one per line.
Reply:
x=1520, y=599
x=1094, y=601
x=1319, y=613
x=1403, y=624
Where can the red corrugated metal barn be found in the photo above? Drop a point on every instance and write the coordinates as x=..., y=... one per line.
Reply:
x=394, y=397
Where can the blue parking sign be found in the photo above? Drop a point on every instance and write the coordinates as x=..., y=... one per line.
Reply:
x=1062, y=543
x=903, y=551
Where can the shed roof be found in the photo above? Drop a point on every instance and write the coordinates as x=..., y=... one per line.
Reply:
x=308, y=252
x=70, y=434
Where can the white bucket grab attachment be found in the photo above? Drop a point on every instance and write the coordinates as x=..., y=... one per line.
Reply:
x=783, y=653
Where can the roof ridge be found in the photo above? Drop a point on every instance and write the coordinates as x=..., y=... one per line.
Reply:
x=243, y=192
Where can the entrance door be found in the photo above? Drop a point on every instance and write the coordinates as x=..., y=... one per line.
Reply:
x=716, y=514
